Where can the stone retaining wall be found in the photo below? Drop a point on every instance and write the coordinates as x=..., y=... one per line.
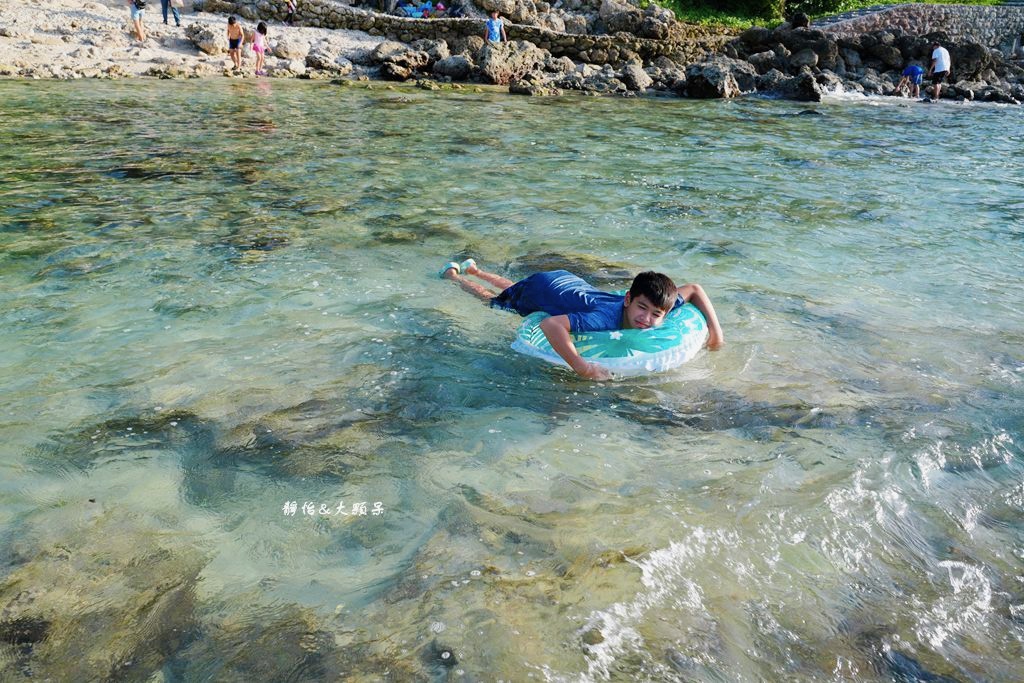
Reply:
x=580, y=48
x=999, y=27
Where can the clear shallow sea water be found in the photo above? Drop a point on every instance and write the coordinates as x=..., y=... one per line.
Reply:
x=217, y=298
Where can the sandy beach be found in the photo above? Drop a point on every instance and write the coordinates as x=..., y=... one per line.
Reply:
x=66, y=39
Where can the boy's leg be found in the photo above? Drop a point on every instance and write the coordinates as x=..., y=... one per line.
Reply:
x=473, y=288
x=490, y=278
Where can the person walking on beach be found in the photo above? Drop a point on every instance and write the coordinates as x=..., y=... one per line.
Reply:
x=939, y=69
x=495, y=30
x=577, y=307
x=173, y=5
x=290, y=16
x=136, y=7
x=235, y=35
x=259, y=46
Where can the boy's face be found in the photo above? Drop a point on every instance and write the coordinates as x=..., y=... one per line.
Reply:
x=640, y=313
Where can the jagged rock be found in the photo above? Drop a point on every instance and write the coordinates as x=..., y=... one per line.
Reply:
x=802, y=87
x=517, y=11
x=560, y=65
x=435, y=49
x=888, y=55
x=804, y=58
x=636, y=78
x=533, y=83
x=710, y=80
x=851, y=57
x=576, y=24
x=970, y=60
x=756, y=36
x=456, y=67
x=770, y=81
x=763, y=62
x=552, y=22
x=401, y=66
x=291, y=48
x=829, y=81
x=326, y=59
x=386, y=50
x=206, y=39
x=874, y=85
x=620, y=16
x=657, y=23
x=502, y=62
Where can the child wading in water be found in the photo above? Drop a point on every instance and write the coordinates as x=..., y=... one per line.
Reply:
x=259, y=46
x=575, y=306
x=235, y=35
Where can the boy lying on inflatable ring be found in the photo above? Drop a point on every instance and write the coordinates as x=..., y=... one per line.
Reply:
x=576, y=306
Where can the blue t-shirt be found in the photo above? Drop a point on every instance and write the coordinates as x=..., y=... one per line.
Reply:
x=494, y=30
x=915, y=72
x=559, y=292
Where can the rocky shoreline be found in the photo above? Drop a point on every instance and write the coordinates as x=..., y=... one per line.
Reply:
x=622, y=50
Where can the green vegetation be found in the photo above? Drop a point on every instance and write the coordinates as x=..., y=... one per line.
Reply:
x=744, y=13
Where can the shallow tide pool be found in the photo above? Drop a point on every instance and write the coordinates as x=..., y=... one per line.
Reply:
x=247, y=434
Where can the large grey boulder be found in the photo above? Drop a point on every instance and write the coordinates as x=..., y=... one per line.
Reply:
x=711, y=80
x=456, y=67
x=806, y=57
x=803, y=88
x=889, y=55
x=291, y=48
x=575, y=23
x=402, y=66
x=435, y=49
x=386, y=50
x=620, y=16
x=206, y=39
x=502, y=62
x=533, y=83
x=326, y=57
x=970, y=60
x=636, y=78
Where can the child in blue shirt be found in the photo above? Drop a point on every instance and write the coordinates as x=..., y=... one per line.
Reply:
x=912, y=77
x=495, y=30
x=576, y=306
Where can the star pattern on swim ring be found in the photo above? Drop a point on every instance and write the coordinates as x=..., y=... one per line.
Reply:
x=616, y=334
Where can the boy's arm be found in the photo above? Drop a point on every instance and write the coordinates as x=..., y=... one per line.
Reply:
x=556, y=329
x=695, y=295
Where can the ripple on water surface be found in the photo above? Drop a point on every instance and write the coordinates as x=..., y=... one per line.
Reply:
x=218, y=300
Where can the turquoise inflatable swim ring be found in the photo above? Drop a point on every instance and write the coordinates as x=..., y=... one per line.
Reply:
x=625, y=352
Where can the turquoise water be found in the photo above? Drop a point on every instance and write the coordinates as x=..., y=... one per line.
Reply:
x=219, y=298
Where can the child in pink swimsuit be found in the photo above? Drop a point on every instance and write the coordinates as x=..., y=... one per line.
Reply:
x=259, y=46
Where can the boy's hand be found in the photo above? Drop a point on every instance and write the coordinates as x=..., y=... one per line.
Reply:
x=593, y=371
x=715, y=340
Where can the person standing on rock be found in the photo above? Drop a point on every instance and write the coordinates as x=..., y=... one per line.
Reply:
x=939, y=69
x=235, y=36
x=495, y=31
x=290, y=15
x=136, y=7
x=173, y=6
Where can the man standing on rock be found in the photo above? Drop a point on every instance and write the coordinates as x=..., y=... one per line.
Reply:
x=939, y=69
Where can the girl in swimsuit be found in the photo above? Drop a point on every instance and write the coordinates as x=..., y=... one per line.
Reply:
x=259, y=46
